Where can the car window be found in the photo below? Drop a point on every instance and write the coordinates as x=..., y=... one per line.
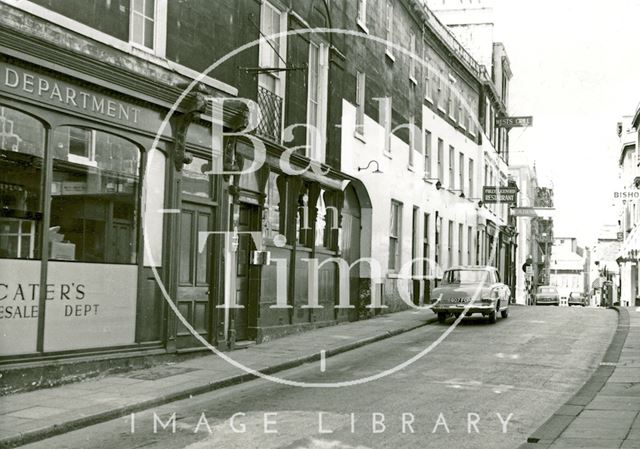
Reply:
x=546, y=290
x=467, y=276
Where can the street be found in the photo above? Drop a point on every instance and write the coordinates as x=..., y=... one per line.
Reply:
x=484, y=386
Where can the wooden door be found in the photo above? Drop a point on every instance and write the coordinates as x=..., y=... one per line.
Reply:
x=194, y=274
x=246, y=274
x=350, y=244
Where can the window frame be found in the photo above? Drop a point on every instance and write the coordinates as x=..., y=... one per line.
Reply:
x=317, y=151
x=159, y=28
x=361, y=86
x=428, y=137
x=395, y=217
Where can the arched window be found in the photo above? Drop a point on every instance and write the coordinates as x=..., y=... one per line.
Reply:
x=21, y=157
x=94, y=197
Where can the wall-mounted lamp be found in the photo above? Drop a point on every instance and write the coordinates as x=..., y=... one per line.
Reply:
x=438, y=183
x=376, y=171
x=462, y=195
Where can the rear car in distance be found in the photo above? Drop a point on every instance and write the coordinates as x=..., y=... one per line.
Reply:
x=471, y=290
x=547, y=296
x=577, y=299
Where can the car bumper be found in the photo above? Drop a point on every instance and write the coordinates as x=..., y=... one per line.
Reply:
x=462, y=308
x=576, y=303
x=547, y=303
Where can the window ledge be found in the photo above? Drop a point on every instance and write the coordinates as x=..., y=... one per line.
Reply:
x=428, y=98
x=388, y=154
x=410, y=168
x=413, y=80
x=389, y=55
x=393, y=275
x=442, y=110
x=362, y=26
x=359, y=136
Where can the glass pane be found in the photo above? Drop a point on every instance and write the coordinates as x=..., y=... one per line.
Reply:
x=21, y=158
x=148, y=33
x=137, y=32
x=149, y=8
x=204, y=256
x=94, y=204
x=195, y=181
x=273, y=207
x=186, y=246
x=137, y=5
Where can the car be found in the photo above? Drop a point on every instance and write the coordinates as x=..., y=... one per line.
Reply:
x=547, y=296
x=577, y=299
x=471, y=290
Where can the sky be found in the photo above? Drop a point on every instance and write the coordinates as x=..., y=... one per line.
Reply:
x=576, y=66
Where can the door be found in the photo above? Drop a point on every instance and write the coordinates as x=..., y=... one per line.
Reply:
x=194, y=275
x=247, y=275
x=350, y=243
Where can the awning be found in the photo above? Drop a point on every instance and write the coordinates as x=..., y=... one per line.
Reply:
x=630, y=250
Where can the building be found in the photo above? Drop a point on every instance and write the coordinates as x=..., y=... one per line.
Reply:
x=535, y=235
x=138, y=180
x=629, y=215
x=567, y=267
x=605, y=271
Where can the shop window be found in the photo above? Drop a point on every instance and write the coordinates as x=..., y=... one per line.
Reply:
x=303, y=225
x=321, y=223
x=21, y=157
x=94, y=197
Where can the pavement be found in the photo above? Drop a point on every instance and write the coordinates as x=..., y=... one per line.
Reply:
x=40, y=414
x=605, y=412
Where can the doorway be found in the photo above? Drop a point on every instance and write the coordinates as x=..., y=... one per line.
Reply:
x=194, y=275
x=247, y=275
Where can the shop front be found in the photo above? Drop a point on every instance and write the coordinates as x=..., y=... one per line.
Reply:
x=87, y=211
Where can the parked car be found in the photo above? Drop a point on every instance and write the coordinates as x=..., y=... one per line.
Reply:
x=577, y=299
x=547, y=296
x=469, y=290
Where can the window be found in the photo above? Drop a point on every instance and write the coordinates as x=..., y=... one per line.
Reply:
x=21, y=157
x=321, y=239
x=395, y=230
x=471, y=179
x=469, y=245
x=362, y=13
x=450, y=244
x=460, y=243
x=426, y=246
x=428, y=82
x=384, y=118
x=272, y=53
x=389, y=28
x=142, y=23
x=360, y=100
x=440, y=160
x=94, y=204
x=412, y=58
x=412, y=139
x=316, y=105
x=427, y=154
x=451, y=170
x=461, y=172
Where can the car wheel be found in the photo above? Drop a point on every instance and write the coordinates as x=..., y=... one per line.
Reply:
x=505, y=313
x=492, y=317
x=442, y=317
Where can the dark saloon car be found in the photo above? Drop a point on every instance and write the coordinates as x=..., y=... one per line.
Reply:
x=547, y=296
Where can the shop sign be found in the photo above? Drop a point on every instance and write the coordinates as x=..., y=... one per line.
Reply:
x=502, y=195
x=524, y=212
x=61, y=94
x=514, y=122
x=88, y=306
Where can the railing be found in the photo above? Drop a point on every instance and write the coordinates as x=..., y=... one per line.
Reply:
x=270, y=115
x=449, y=38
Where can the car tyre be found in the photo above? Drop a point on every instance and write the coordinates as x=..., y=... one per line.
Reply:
x=504, y=313
x=492, y=317
x=442, y=317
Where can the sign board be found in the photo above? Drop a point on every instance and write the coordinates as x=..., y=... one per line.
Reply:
x=524, y=212
x=499, y=195
x=620, y=236
x=514, y=122
x=529, y=270
x=88, y=305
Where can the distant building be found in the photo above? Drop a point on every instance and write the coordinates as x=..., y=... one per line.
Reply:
x=567, y=267
x=604, y=270
x=629, y=215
